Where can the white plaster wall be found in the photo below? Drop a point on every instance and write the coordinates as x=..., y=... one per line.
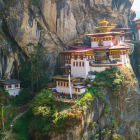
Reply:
x=98, y=69
x=83, y=90
x=94, y=44
x=107, y=43
x=79, y=71
x=63, y=89
x=13, y=92
x=122, y=58
x=123, y=38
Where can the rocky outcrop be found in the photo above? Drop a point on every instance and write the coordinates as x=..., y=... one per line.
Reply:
x=124, y=109
x=51, y=23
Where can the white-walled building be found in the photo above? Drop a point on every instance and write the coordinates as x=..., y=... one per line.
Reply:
x=83, y=61
x=12, y=86
x=62, y=84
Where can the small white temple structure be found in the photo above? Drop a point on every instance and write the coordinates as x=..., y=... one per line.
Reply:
x=11, y=86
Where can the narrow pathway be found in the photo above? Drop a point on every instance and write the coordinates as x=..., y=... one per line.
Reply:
x=8, y=133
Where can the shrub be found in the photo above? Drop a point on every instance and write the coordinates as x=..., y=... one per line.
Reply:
x=23, y=96
x=105, y=111
x=92, y=125
x=17, y=127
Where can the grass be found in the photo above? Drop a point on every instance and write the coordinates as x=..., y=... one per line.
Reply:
x=2, y=136
x=23, y=123
x=9, y=122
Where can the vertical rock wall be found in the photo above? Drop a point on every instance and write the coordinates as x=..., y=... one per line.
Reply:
x=51, y=23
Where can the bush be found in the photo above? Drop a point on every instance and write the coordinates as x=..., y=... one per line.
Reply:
x=17, y=127
x=92, y=125
x=35, y=2
x=23, y=96
x=105, y=111
x=110, y=78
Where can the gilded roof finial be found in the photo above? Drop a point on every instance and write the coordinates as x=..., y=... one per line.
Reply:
x=104, y=19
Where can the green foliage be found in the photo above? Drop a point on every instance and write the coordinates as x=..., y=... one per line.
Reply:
x=92, y=125
x=44, y=112
x=117, y=137
x=105, y=111
x=9, y=122
x=33, y=70
x=35, y=2
x=111, y=79
x=97, y=92
x=2, y=136
x=95, y=137
x=103, y=133
x=85, y=99
x=3, y=96
x=112, y=126
x=21, y=128
x=23, y=96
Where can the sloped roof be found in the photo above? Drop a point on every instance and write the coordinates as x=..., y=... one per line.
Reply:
x=11, y=81
x=86, y=49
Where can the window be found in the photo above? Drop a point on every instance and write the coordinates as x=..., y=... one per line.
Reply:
x=100, y=42
x=76, y=64
x=67, y=84
x=83, y=64
x=58, y=83
x=87, y=57
x=116, y=54
x=90, y=57
x=61, y=83
x=93, y=57
x=69, y=56
x=64, y=84
x=75, y=57
x=81, y=57
x=78, y=89
x=9, y=86
x=16, y=85
x=79, y=64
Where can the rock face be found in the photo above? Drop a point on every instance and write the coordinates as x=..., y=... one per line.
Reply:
x=51, y=23
x=124, y=109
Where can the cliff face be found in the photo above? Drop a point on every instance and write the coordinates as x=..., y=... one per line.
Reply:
x=123, y=109
x=51, y=23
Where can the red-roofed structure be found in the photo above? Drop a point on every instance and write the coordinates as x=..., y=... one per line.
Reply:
x=106, y=50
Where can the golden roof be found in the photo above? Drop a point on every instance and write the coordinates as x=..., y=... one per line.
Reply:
x=103, y=22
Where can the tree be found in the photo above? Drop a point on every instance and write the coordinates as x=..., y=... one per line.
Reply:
x=33, y=71
x=23, y=96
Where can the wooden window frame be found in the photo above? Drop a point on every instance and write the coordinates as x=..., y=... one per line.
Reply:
x=78, y=89
x=76, y=64
x=16, y=85
x=82, y=64
x=79, y=64
x=9, y=86
x=116, y=54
